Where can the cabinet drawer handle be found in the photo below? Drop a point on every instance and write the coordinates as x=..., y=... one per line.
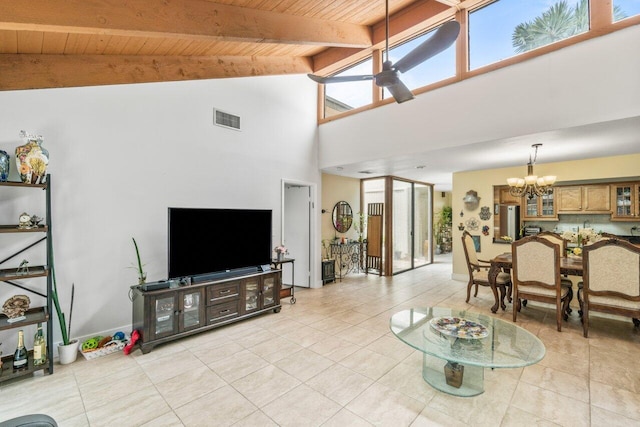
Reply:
x=226, y=291
x=224, y=311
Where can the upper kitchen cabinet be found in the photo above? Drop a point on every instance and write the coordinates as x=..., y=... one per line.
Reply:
x=584, y=199
x=625, y=198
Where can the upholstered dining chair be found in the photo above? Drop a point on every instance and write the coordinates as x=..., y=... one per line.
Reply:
x=611, y=280
x=558, y=240
x=536, y=275
x=479, y=270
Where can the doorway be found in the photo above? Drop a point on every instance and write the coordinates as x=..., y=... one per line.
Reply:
x=297, y=232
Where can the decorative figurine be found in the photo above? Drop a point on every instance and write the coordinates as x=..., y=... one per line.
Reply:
x=24, y=221
x=32, y=159
x=23, y=268
x=35, y=221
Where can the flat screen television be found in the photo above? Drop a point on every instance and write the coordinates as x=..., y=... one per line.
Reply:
x=205, y=241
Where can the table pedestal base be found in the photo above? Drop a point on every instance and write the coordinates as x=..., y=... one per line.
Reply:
x=433, y=374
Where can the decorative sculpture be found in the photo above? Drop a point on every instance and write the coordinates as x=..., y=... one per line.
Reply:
x=16, y=306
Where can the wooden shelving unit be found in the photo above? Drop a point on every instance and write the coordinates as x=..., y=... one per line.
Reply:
x=14, y=277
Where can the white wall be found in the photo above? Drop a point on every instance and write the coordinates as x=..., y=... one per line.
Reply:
x=590, y=82
x=120, y=155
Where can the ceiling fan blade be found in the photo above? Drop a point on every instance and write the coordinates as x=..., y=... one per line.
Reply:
x=441, y=40
x=400, y=92
x=339, y=79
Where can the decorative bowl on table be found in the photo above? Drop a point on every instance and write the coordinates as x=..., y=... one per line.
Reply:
x=458, y=327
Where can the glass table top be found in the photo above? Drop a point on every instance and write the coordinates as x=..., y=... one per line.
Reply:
x=499, y=344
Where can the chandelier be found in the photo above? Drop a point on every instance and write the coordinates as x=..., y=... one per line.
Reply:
x=531, y=185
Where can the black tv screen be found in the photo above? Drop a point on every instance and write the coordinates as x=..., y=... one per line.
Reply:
x=212, y=240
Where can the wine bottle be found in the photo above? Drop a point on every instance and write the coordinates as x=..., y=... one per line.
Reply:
x=39, y=348
x=20, y=357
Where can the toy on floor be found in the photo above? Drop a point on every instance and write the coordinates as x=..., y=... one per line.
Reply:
x=135, y=336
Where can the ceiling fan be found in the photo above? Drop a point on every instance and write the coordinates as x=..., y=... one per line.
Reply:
x=389, y=77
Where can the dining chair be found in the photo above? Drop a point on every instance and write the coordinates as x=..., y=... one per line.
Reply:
x=611, y=280
x=536, y=275
x=479, y=270
x=558, y=240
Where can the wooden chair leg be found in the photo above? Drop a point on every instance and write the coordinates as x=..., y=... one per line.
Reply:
x=636, y=322
x=585, y=322
x=469, y=285
x=475, y=294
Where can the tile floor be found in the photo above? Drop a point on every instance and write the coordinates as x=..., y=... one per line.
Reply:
x=330, y=360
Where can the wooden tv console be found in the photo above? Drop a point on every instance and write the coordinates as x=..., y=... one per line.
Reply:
x=165, y=315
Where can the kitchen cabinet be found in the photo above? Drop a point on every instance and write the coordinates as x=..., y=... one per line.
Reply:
x=506, y=198
x=539, y=208
x=584, y=199
x=625, y=200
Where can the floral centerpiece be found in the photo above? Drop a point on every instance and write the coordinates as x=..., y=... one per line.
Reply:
x=581, y=237
x=280, y=251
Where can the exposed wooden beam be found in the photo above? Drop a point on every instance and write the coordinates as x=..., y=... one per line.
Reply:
x=55, y=71
x=198, y=19
x=449, y=2
x=403, y=24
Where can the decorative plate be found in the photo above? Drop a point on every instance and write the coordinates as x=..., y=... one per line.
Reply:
x=472, y=224
x=458, y=327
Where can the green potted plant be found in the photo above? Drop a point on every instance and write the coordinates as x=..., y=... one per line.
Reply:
x=441, y=226
x=68, y=348
x=142, y=275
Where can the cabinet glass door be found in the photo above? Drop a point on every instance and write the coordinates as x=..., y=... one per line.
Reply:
x=268, y=291
x=547, y=204
x=191, y=309
x=251, y=294
x=532, y=206
x=164, y=315
x=623, y=200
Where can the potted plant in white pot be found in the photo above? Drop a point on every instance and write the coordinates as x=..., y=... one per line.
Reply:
x=68, y=348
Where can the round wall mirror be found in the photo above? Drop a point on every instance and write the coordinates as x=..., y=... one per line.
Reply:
x=342, y=216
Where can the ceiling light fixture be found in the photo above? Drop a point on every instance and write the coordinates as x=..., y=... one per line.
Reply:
x=532, y=185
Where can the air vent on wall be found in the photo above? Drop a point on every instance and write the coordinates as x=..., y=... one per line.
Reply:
x=226, y=120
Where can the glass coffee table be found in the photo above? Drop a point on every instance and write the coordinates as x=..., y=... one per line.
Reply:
x=457, y=346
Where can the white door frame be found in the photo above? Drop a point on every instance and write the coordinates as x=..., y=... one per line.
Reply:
x=313, y=225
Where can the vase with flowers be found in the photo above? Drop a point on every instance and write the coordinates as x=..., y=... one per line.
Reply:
x=579, y=239
x=280, y=251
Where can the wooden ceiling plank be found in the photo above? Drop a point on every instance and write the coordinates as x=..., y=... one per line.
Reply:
x=54, y=43
x=55, y=71
x=115, y=45
x=96, y=45
x=178, y=19
x=76, y=44
x=8, y=41
x=30, y=41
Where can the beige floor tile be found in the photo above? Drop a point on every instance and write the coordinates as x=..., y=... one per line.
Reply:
x=301, y=406
x=238, y=365
x=339, y=384
x=407, y=379
x=369, y=363
x=170, y=419
x=256, y=419
x=602, y=417
x=351, y=317
x=615, y=400
x=276, y=349
x=101, y=390
x=518, y=418
x=609, y=366
x=124, y=411
x=572, y=364
x=265, y=385
x=222, y=407
x=330, y=325
x=304, y=364
x=383, y=406
x=188, y=386
x=215, y=354
x=573, y=386
x=346, y=418
x=429, y=417
x=551, y=406
x=166, y=367
x=334, y=348
x=305, y=336
x=390, y=346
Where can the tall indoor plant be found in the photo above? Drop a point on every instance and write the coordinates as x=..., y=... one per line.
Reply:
x=68, y=348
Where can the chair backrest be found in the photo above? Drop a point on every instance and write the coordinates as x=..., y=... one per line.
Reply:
x=612, y=266
x=536, y=261
x=555, y=238
x=469, y=250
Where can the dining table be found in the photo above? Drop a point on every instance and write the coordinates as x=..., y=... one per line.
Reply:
x=570, y=265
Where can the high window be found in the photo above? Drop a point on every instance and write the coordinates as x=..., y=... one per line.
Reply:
x=506, y=28
x=625, y=8
x=437, y=68
x=341, y=97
